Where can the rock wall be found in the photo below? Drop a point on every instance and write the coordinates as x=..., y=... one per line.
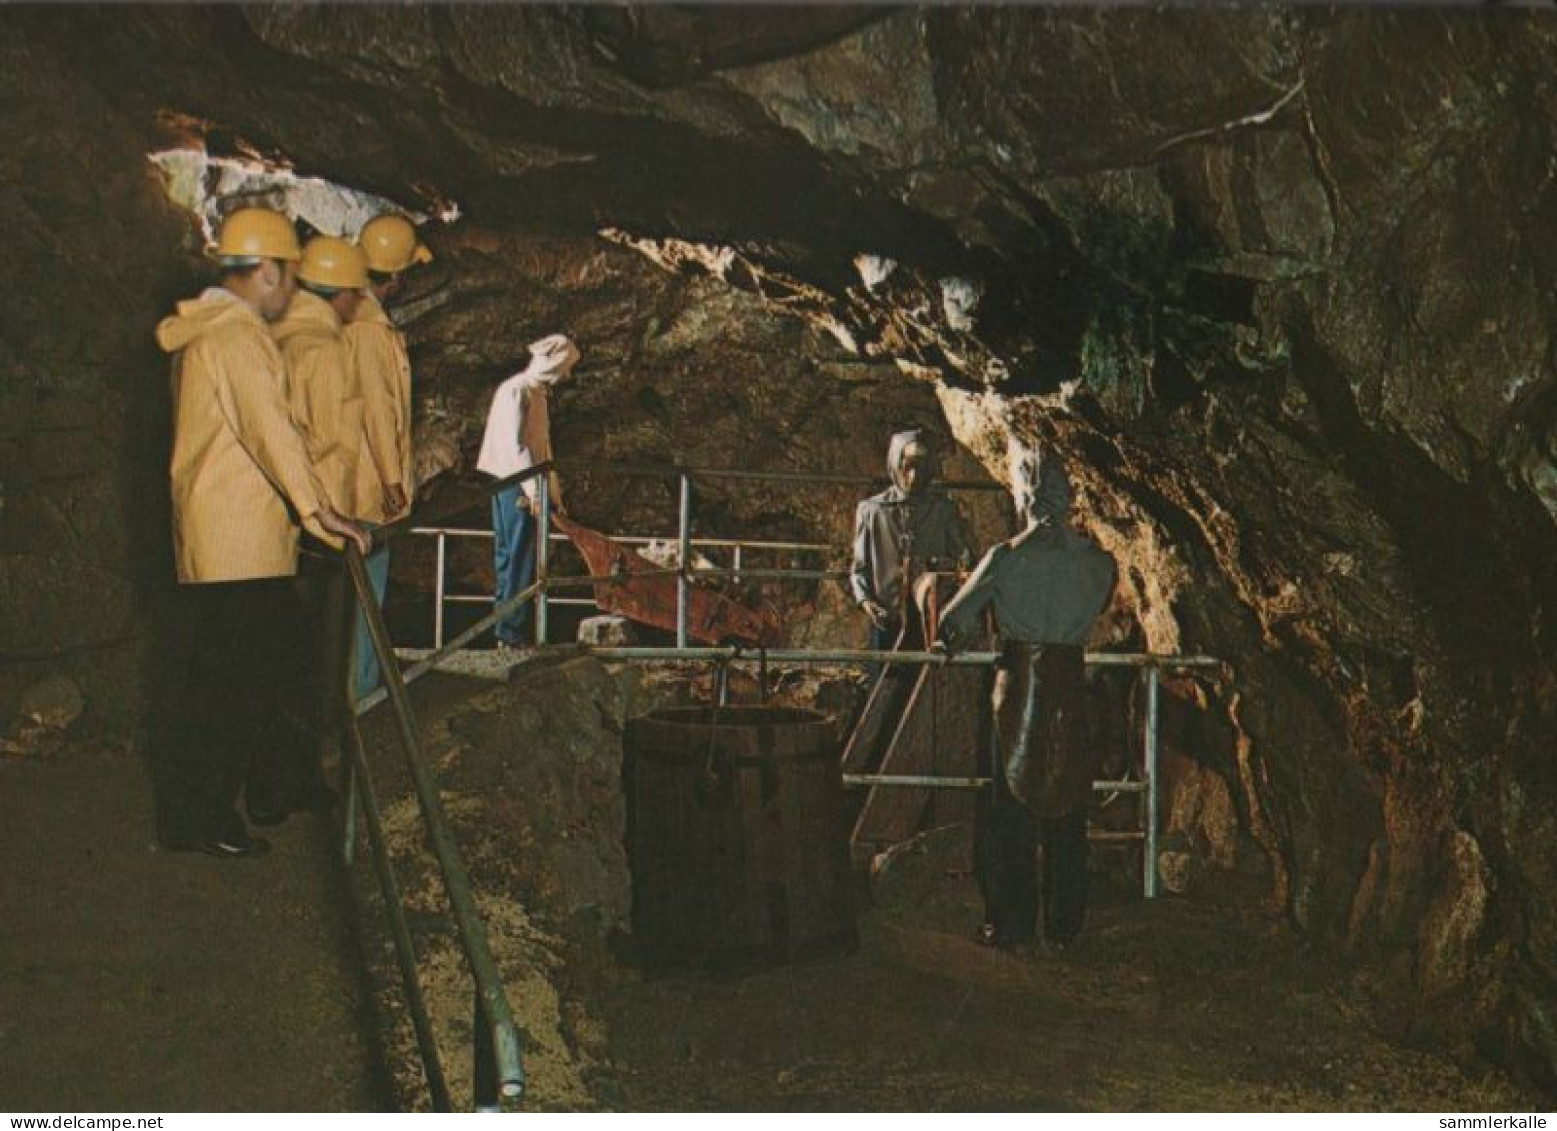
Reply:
x=1277, y=282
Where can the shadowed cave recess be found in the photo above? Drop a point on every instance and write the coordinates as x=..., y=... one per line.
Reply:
x=1277, y=283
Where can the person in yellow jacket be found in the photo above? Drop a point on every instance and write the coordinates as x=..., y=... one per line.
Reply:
x=378, y=354
x=241, y=482
x=326, y=404
x=322, y=386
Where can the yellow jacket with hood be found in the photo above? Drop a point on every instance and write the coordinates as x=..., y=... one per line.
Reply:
x=323, y=393
x=378, y=356
x=238, y=460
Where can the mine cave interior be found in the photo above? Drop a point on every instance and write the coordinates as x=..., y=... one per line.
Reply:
x=1274, y=284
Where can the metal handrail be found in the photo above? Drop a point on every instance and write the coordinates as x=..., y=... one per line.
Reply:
x=499, y=1072
x=735, y=653
x=361, y=778
x=685, y=542
x=817, y=478
x=685, y=574
x=644, y=540
x=441, y=596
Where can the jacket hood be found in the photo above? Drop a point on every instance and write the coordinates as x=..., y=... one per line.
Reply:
x=216, y=306
x=551, y=359
x=307, y=314
x=1039, y=484
x=898, y=445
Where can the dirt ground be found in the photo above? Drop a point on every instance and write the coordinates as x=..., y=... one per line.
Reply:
x=1174, y=1004
x=1162, y=1006
x=135, y=979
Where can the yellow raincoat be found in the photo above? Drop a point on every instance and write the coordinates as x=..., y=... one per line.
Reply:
x=323, y=392
x=238, y=460
x=383, y=371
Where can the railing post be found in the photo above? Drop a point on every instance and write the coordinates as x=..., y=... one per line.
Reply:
x=438, y=586
x=394, y=908
x=1149, y=865
x=683, y=584
x=738, y=548
x=440, y=838
x=349, y=804
x=483, y=1062
x=542, y=543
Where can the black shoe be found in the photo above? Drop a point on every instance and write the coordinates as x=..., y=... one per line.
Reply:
x=223, y=847
x=991, y=936
x=231, y=848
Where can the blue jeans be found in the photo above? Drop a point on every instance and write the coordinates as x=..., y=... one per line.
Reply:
x=365, y=673
x=513, y=557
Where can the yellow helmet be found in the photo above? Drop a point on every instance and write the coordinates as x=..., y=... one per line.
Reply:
x=334, y=263
x=391, y=244
x=257, y=233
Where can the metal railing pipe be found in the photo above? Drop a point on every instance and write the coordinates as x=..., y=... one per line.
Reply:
x=394, y=904
x=1119, y=786
x=916, y=781
x=684, y=582
x=641, y=540
x=1149, y=865
x=428, y=663
x=542, y=545
x=349, y=786
x=822, y=478
x=441, y=585
x=456, y=882
x=407, y=523
x=932, y=781
x=796, y=574
x=483, y=1063
x=735, y=653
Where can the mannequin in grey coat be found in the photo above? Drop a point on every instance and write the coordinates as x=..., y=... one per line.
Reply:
x=1046, y=587
x=908, y=528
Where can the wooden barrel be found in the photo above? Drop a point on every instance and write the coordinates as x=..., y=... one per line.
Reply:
x=736, y=836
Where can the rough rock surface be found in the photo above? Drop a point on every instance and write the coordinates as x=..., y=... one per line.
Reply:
x=1277, y=283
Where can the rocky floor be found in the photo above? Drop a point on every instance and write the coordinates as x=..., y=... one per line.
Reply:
x=1176, y=1004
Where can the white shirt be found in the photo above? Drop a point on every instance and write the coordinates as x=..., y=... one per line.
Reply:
x=518, y=433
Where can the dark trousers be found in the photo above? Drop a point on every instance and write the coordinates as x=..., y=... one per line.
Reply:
x=1008, y=835
x=328, y=607
x=232, y=714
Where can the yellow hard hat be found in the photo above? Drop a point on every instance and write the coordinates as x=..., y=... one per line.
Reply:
x=391, y=245
x=257, y=233
x=335, y=263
